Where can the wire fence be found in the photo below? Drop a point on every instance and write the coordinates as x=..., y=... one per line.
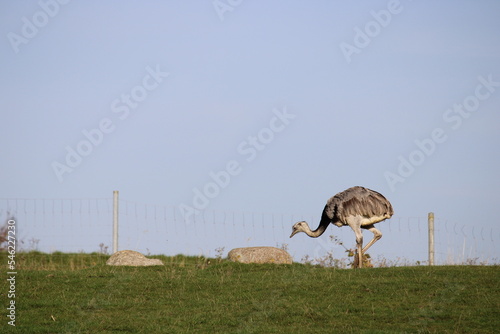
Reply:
x=85, y=225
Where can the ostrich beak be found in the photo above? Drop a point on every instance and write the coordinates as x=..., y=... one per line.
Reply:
x=294, y=232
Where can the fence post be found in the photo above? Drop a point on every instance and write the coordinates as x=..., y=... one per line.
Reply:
x=430, y=219
x=115, y=221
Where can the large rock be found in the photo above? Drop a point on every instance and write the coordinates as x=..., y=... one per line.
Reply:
x=131, y=258
x=259, y=255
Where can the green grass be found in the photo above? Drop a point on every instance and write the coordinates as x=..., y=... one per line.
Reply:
x=78, y=293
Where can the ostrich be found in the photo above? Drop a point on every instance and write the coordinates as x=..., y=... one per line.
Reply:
x=358, y=207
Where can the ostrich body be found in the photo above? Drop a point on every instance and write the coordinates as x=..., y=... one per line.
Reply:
x=357, y=207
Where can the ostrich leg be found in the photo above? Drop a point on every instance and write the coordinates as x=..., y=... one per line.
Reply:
x=358, y=260
x=376, y=236
x=355, y=224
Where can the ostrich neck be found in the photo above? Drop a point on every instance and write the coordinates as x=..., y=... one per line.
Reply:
x=319, y=231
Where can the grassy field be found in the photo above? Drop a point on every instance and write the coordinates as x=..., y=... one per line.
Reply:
x=78, y=293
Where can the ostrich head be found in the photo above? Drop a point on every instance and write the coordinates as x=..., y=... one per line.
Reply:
x=300, y=227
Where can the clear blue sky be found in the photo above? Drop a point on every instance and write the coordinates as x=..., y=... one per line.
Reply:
x=399, y=96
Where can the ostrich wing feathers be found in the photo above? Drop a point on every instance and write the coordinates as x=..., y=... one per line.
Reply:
x=357, y=201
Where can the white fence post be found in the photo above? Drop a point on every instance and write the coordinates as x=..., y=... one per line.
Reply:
x=430, y=219
x=115, y=221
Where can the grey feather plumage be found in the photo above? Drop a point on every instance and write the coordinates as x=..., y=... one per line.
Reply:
x=356, y=201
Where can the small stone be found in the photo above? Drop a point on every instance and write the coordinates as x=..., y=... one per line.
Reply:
x=260, y=255
x=131, y=258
